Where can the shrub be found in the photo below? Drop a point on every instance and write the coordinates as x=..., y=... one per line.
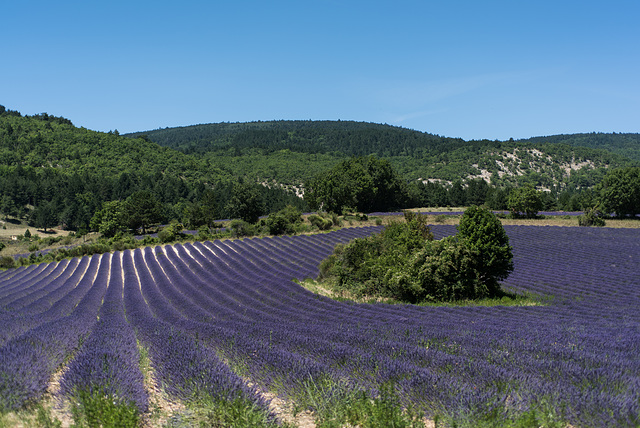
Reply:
x=525, y=202
x=322, y=223
x=592, y=217
x=406, y=264
x=481, y=231
x=170, y=233
x=242, y=228
x=284, y=221
x=7, y=262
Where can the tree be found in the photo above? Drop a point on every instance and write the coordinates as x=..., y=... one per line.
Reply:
x=109, y=219
x=44, y=216
x=363, y=184
x=141, y=210
x=481, y=232
x=284, y=221
x=245, y=203
x=620, y=191
x=525, y=201
x=406, y=264
x=8, y=207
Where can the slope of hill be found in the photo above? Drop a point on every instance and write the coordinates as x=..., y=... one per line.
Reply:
x=50, y=141
x=54, y=173
x=292, y=152
x=627, y=145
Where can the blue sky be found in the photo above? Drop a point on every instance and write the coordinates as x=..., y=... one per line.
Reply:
x=470, y=69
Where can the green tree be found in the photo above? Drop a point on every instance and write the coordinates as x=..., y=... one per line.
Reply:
x=620, y=191
x=141, y=210
x=482, y=233
x=44, y=215
x=284, y=221
x=245, y=203
x=406, y=264
x=8, y=207
x=109, y=219
x=525, y=202
x=364, y=184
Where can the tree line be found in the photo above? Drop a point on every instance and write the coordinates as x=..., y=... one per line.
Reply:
x=367, y=184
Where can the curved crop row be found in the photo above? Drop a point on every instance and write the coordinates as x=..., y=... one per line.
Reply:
x=190, y=304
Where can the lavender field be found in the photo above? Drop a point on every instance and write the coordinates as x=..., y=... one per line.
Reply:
x=225, y=318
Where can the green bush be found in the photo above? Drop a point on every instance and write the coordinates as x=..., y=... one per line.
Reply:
x=404, y=262
x=322, y=223
x=241, y=228
x=591, y=217
x=7, y=262
x=284, y=221
x=525, y=202
x=170, y=233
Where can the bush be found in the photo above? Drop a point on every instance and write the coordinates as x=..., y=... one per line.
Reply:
x=7, y=262
x=405, y=263
x=481, y=231
x=322, y=223
x=525, y=202
x=284, y=221
x=592, y=217
x=170, y=233
x=241, y=228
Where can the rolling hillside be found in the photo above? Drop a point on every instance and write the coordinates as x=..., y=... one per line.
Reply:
x=292, y=152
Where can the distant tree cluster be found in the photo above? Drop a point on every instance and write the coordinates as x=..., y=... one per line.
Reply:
x=363, y=184
x=404, y=263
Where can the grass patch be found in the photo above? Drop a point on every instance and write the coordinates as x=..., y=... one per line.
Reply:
x=205, y=411
x=96, y=409
x=506, y=298
x=541, y=414
x=33, y=416
x=337, y=405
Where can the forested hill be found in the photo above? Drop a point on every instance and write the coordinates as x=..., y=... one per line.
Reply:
x=348, y=138
x=54, y=173
x=292, y=152
x=627, y=145
x=54, y=142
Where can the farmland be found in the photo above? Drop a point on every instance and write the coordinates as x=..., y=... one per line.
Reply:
x=225, y=320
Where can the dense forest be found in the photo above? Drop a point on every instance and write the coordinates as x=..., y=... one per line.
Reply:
x=293, y=152
x=627, y=145
x=55, y=173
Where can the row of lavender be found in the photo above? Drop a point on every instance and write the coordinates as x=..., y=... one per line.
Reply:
x=236, y=298
x=53, y=311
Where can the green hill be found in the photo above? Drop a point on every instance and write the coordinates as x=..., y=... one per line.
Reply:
x=627, y=145
x=292, y=152
x=54, y=173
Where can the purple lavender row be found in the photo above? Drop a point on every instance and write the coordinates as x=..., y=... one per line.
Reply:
x=22, y=286
x=108, y=362
x=269, y=366
x=28, y=361
x=14, y=278
x=57, y=304
x=73, y=271
x=186, y=368
x=561, y=337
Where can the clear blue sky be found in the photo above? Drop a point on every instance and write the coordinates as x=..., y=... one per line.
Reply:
x=470, y=69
